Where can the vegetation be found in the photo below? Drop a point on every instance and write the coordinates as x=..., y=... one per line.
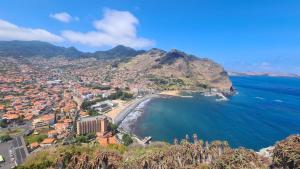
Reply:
x=199, y=154
x=119, y=94
x=3, y=124
x=101, y=87
x=113, y=128
x=127, y=140
x=4, y=138
x=35, y=138
x=87, y=103
x=92, y=112
x=85, y=138
x=286, y=153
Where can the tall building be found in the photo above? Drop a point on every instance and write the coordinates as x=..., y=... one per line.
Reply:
x=96, y=124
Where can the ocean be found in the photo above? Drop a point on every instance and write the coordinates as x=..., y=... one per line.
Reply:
x=265, y=110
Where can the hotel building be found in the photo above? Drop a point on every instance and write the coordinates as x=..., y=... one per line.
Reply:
x=97, y=124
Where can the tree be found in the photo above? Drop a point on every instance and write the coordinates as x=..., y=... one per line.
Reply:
x=113, y=128
x=91, y=136
x=81, y=139
x=127, y=140
x=5, y=138
x=3, y=124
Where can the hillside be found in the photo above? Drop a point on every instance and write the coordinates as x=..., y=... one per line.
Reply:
x=174, y=70
x=192, y=155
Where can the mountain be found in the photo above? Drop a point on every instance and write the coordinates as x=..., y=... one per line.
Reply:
x=174, y=70
x=36, y=48
x=118, y=52
x=47, y=50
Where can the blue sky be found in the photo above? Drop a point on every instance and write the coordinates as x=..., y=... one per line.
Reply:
x=247, y=35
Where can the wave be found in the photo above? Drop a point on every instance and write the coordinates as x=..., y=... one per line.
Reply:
x=129, y=121
x=279, y=101
x=260, y=98
x=266, y=152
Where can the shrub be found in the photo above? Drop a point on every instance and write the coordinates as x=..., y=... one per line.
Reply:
x=127, y=140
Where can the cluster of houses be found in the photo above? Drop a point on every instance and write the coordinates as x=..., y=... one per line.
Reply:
x=49, y=103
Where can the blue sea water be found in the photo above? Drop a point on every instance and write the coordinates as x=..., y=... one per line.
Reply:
x=265, y=110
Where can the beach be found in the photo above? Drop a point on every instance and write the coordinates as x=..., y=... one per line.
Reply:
x=124, y=108
x=115, y=111
x=171, y=93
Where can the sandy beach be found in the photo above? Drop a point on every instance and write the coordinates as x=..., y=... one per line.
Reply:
x=171, y=93
x=116, y=110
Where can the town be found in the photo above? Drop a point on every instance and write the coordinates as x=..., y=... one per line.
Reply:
x=60, y=102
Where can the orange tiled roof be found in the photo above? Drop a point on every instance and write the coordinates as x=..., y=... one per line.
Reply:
x=34, y=145
x=48, y=141
x=47, y=117
x=52, y=132
x=61, y=126
x=11, y=116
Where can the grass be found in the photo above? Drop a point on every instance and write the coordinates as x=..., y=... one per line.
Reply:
x=35, y=138
x=13, y=132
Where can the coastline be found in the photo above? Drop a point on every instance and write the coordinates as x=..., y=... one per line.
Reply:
x=127, y=114
x=119, y=116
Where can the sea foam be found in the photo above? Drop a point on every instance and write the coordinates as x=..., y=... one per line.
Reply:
x=132, y=117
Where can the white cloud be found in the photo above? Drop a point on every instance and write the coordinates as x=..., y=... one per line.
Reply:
x=63, y=17
x=115, y=28
x=9, y=31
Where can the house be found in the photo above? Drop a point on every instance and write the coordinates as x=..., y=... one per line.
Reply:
x=61, y=127
x=52, y=133
x=47, y=142
x=11, y=117
x=49, y=119
x=34, y=145
x=37, y=123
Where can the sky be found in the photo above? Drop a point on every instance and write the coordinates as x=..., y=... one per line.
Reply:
x=247, y=35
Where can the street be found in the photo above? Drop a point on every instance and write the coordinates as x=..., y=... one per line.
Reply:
x=20, y=149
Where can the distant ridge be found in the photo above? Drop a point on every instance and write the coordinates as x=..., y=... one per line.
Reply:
x=44, y=49
x=271, y=74
x=36, y=48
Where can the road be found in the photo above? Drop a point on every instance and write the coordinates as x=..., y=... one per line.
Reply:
x=4, y=151
x=19, y=146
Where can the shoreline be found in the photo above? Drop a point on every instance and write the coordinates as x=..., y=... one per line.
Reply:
x=118, y=115
x=130, y=107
